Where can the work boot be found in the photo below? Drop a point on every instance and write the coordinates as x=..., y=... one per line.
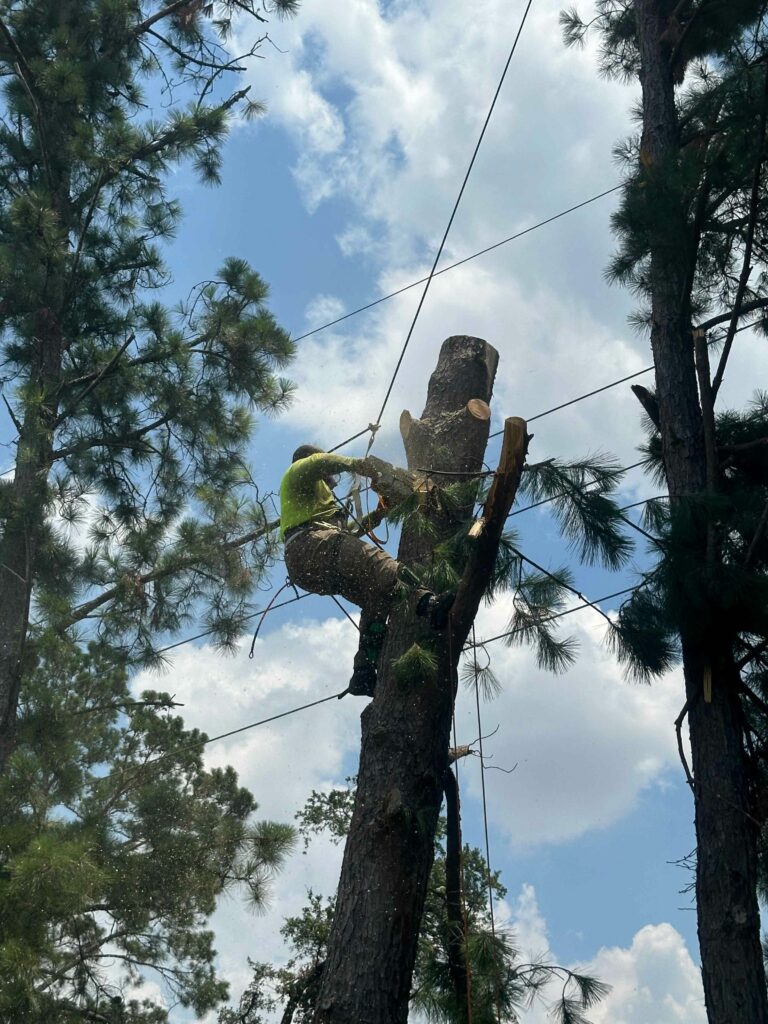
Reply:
x=363, y=681
x=436, y=607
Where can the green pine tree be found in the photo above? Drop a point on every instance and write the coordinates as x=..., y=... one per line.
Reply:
x=501, y=983
x=131, y=417
x=116, y=844
x=693, y=245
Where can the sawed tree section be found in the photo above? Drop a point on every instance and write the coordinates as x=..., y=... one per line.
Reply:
x=406, y=728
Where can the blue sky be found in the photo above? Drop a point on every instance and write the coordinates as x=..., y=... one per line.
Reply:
x=337, y=195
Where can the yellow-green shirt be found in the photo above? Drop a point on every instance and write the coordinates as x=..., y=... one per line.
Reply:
x=305, y=496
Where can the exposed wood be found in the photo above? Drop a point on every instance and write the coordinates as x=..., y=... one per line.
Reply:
x=488, y=530
x=479, y=409
x=406, y=421
x=456, y=753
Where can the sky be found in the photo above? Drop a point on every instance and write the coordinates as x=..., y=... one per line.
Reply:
x=338, y=194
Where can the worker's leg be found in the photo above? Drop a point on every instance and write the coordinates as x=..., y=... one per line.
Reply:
x=366, y=576
x=311, y=557
x=327, y=561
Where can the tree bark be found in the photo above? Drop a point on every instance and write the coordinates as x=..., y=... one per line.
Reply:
x=456, y=940
x=25, y=502
x=726, y=832
x=405, y=734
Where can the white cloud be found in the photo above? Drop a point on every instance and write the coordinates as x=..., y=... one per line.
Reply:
x=323, y=308
x=653, y=981
x=296, y=664
x=586, y=744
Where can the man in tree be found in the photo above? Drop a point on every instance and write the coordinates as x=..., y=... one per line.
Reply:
x=325, y=556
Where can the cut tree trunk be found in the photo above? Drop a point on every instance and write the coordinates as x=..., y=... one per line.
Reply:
x=406, y=728
x=726, y=832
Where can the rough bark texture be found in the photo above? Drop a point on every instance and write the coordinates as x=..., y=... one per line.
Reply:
x=728, y=918
x=405, y=739
x=457, y=952
x=19, y=541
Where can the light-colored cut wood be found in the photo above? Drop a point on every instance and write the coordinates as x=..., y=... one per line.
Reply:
x=479, y=409
x=405, y=424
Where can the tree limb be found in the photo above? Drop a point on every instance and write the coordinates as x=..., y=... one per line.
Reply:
x=83, y=611
x=97, y=379
x=678, y=731
x=737, y=311
x=746, y=267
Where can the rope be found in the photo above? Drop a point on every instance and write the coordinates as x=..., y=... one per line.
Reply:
x=562, y=405
x=452, y=266
x=605, y=387
x=485, y=817
x=266, y=612
x=273, y=718
x=558, y=615
x=449, y=225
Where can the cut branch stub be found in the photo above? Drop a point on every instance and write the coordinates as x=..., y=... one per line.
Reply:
x=488, y=530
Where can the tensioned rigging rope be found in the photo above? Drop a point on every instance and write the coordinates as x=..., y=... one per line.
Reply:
x=605, y=387
x=480, y=643
x=292, y=600
x=439, y=253
x=338, y=696
x=563, y=405
x=461, y=262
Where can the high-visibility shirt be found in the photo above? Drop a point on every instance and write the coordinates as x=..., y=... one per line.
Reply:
x=305, y=496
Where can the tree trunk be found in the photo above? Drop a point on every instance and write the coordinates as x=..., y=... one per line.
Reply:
x=405, y=733
x=726, y=833
x=25, y=502
x=456, y=939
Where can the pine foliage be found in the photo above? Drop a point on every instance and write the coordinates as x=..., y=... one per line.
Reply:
x=117, y=843
x=135, y=415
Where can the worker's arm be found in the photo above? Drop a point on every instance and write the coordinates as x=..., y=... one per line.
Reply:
x=321, y=465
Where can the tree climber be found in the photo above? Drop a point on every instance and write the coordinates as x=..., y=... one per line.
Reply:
x=325, y=554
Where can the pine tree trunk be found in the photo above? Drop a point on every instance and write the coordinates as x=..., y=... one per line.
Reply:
x=726, y=833
x=405, y=739
x=20, y=538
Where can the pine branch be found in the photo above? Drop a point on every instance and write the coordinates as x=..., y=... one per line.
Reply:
x=163, y=141
x=746, y=268
x=129, y=441
x=85, y=610
x=12, y=414
x=737, y=311
x=217, y=66
x=97, y=379
x=27, y=79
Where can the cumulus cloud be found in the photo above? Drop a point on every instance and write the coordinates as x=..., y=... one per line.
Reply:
x=586, y=744
x=653, y=981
